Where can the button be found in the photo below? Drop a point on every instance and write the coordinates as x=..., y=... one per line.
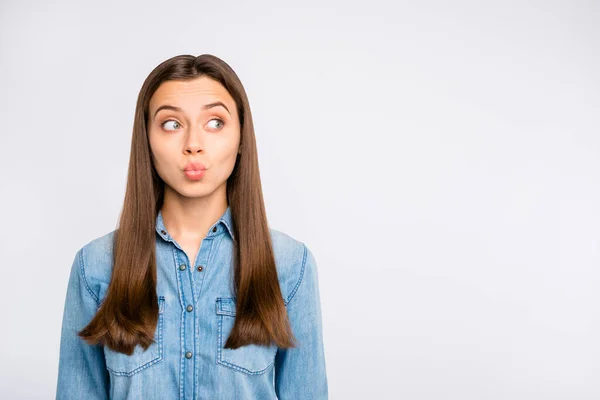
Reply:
x=188, y=354
x=163, y=232
x=189, y=308
x=215, y=229
x=199, y=268
x=182, y=267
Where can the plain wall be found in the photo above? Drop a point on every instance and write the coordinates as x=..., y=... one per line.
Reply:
x=441, y=159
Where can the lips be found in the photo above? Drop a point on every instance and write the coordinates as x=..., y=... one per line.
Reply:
x=194, y=166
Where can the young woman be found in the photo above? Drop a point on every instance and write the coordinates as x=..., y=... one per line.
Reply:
x=193, y=296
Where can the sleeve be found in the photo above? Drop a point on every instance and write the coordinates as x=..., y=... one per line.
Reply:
x=300, y=372
x=82, y=372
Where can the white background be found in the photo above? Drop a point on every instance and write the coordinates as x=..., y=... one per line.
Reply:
x=440, y=159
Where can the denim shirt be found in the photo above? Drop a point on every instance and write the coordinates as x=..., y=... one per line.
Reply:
x=196, y=314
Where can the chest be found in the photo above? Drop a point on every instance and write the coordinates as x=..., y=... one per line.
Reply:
x=191, y=248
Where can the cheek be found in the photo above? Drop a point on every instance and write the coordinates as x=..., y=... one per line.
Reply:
x=228, y=154
x=224, y=161
x=160, y=153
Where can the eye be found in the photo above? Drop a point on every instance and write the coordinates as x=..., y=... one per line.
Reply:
x=220, y=121
x=175, y=123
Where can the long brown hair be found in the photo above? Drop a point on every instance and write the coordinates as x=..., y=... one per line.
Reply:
x=129, y=312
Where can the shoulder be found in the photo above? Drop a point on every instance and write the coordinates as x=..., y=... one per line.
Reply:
x=96, y=259
x=292, y=258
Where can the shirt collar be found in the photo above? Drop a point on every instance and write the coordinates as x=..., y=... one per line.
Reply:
x=224, y=224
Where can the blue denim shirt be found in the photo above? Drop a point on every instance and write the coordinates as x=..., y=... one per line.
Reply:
x=196, y=314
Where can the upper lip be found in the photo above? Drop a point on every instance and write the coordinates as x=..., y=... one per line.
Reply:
x=194, y=166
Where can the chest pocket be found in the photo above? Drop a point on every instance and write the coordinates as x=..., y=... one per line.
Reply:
x=251, y=359
x=128, y=365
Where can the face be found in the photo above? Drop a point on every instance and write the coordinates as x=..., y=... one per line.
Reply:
x=200, y=125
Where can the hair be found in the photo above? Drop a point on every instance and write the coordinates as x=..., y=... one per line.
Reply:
x=128, y=314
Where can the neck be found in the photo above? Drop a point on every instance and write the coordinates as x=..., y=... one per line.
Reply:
x=191, y=218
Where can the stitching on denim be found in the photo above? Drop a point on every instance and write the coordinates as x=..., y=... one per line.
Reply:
x=244, y=370
x=85, y=283
x=230, y=230
x=219, y=307
x=304, y=257
x=185, y=362
x=190, y=274
x=159, y=344
x=196, y=289
x=182, y=358
x=214, y=244
x=219, y=337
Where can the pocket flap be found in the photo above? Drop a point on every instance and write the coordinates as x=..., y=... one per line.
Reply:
x=226, y=306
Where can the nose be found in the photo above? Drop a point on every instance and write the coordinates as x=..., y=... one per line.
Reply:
x=194, y=143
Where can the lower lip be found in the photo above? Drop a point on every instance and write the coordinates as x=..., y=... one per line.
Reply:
x=195, y=175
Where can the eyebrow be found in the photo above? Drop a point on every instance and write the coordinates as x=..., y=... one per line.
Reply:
x=205, y=107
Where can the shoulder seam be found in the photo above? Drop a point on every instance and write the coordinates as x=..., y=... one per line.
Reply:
x=291, y=296
x=83, y=278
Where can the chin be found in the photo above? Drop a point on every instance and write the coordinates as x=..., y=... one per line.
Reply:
x=191, y=193
x=191, y=189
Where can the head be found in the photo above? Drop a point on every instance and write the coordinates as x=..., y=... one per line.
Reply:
x=194, y=124
x=195, y=110
x=191, y=113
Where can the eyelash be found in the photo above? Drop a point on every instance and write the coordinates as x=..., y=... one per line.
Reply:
x=171, y=130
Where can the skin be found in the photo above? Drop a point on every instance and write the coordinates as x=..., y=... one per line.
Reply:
x=193, y=134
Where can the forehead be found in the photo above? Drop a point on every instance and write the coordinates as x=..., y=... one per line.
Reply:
x=193, y=93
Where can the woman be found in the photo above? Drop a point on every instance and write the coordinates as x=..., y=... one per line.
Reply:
x=194, y=296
